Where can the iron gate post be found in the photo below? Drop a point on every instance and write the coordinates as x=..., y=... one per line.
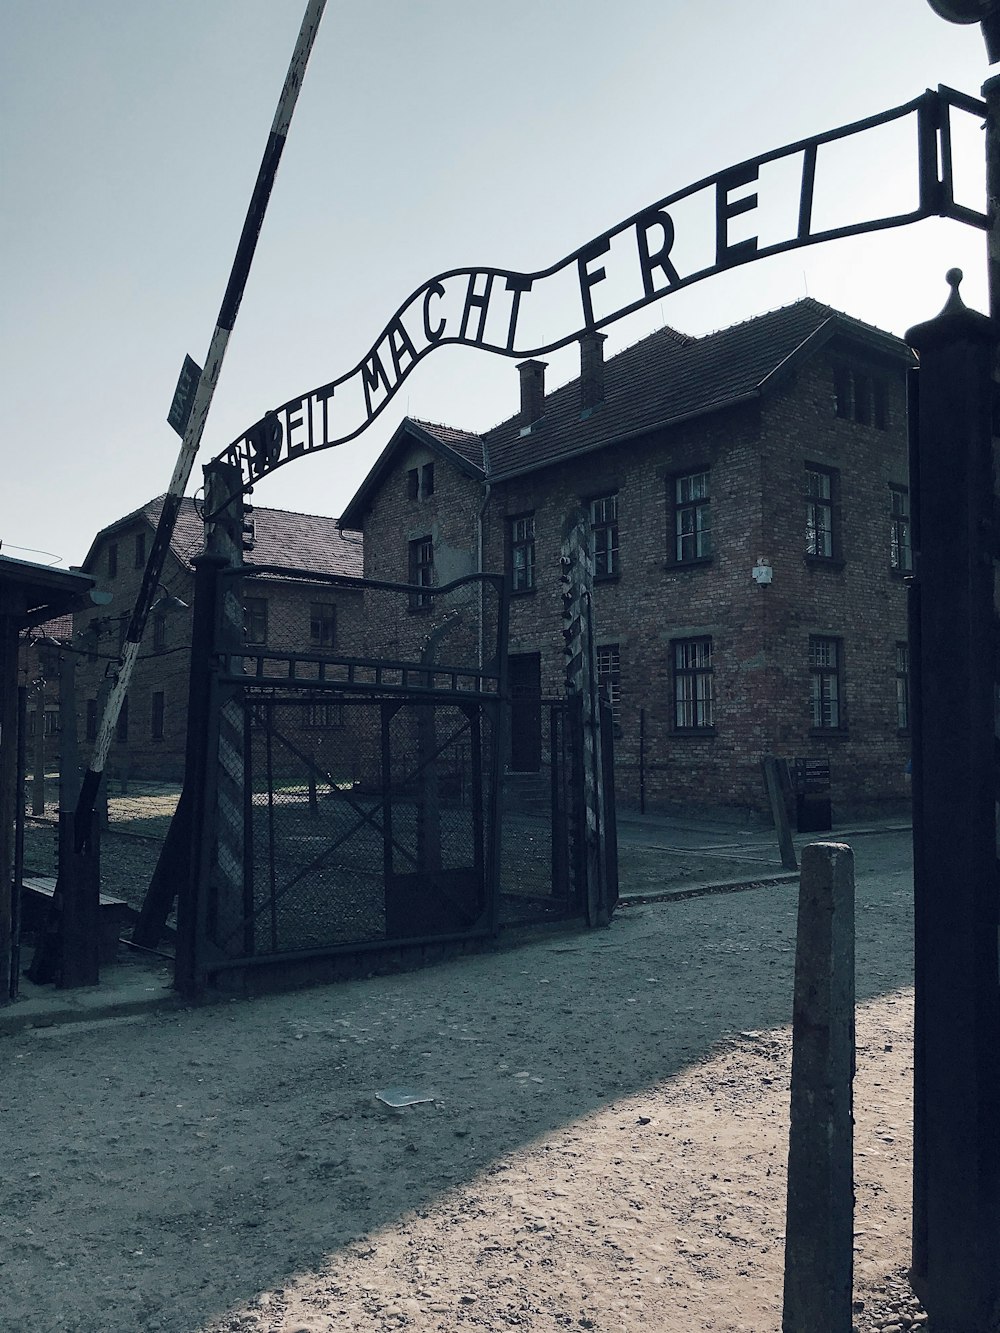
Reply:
x=189, y=977
x=956, y=1169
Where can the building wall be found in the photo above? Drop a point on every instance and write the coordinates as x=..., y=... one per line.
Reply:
x=855, y=597
x=97, y=633
x=165, y=670
x=760, y=634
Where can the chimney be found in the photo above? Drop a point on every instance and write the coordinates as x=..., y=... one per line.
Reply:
x=532, y=391
x=591, y=369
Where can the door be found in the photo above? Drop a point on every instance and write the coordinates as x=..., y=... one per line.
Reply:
x=524, y=672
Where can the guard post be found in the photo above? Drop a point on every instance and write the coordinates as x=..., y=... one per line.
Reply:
x=956, y=1132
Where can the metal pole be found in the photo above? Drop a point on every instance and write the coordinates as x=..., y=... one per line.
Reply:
x=199, y=413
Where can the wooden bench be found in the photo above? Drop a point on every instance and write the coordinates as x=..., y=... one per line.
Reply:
x=114, y=914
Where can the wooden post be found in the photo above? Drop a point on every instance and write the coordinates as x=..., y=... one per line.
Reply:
x=38, y=777
x=819, y=1225
x=779, y=808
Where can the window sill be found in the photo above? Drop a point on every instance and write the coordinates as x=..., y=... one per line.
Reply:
x=608, y=578
x=700, y=562
x=825, y=561
x=829, y=733
x=692, y=733
x=523, y=592
x=901, y=575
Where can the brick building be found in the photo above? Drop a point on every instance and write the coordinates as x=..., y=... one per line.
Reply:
x=747, y=493
x=279, y=613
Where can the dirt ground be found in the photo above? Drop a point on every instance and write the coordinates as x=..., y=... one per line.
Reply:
x=604, y=1149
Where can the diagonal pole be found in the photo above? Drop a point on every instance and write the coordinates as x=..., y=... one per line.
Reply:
x=196, y=421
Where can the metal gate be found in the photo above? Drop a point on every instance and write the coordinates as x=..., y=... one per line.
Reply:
x=349, y=793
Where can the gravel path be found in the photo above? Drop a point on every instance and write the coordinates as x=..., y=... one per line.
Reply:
x=605, y=1147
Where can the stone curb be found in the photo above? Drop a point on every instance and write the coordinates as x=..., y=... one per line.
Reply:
x=35, y=1014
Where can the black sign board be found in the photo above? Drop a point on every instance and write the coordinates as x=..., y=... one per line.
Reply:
x=183, y=401
x=715, y=224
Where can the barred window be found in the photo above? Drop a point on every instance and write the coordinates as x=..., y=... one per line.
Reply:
x=903, y=686
x=819, y=511
x=694, y=689
x=900, y=551
x=604, y=525
x=692, y=517
x=609, y=676
x=826, y=666
x=522, y=553
x=324, y=715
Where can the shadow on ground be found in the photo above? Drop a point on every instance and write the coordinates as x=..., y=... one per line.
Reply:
x=166, y=1171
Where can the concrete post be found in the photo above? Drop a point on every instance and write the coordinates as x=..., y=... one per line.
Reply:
x=819, y=1227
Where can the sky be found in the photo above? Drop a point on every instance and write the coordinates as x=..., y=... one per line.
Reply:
x=429, y=135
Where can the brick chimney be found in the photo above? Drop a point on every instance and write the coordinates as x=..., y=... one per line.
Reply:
x=591, y=369
x=532, y=391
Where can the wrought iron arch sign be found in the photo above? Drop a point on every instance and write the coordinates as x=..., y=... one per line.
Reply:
x=485, y=307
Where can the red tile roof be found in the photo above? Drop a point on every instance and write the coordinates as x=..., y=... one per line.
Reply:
x=281, y=537
x=660, y=381
x=667, y=378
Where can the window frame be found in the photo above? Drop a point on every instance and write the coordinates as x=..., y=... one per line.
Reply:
x=699, y=505
x=604, y=532
x=523, y=542
x=697, y=699
x=323, y=715
x=900, y=531
x=903, y=702
x=609, y=673
x=831, y=504
x=254, y=607
x=157, y=715
x=821, y=675
x=421, y=573
x=323, y=615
